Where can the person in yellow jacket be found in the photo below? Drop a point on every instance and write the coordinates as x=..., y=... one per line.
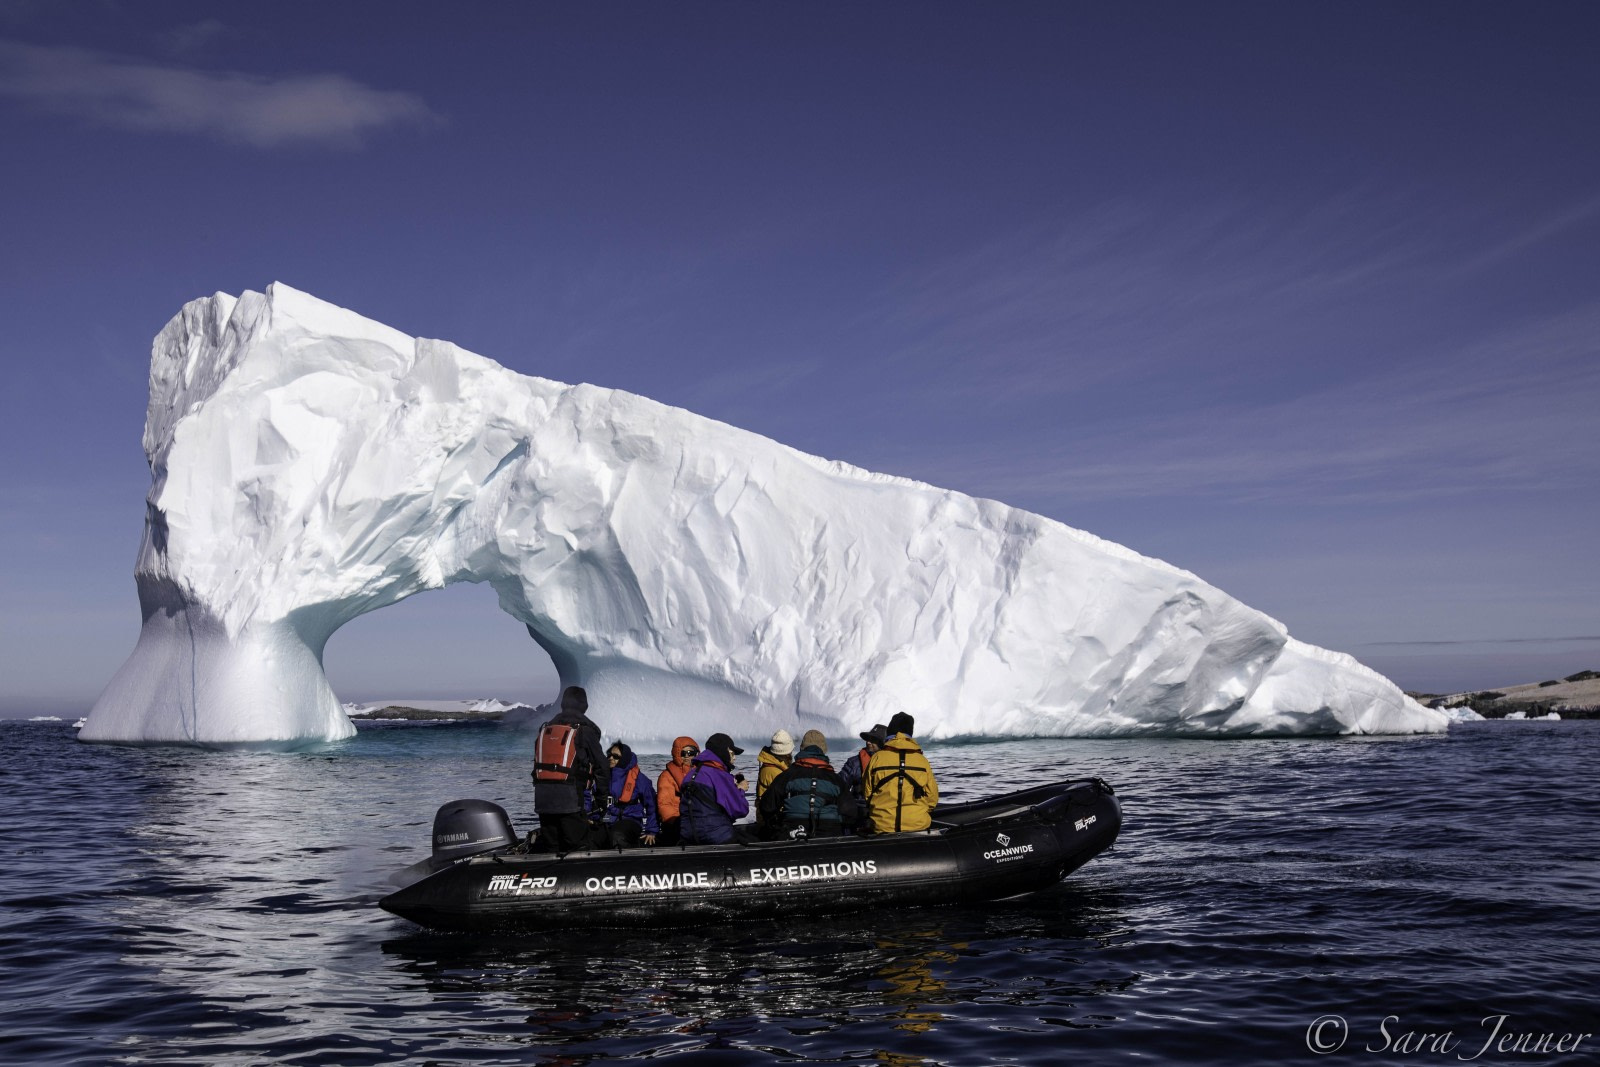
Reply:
x=898, y=783
x=773, y=761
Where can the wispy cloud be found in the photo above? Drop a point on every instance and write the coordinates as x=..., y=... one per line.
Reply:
x=1562, y=221
x=1512, y=412
x=250, y=109
x=193, y=37
x=1251, y=353
x=1125, y=289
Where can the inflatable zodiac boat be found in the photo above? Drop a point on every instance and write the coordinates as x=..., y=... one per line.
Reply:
x=481, y=877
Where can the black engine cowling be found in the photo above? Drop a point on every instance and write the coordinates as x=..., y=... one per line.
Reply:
x=468, y=827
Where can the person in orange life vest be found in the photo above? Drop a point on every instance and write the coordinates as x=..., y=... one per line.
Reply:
x=630, y=817
x=853, y=768
x=683, y=750
x=711, y=798
x=899, y=785
x=773, y=760
x=558, y=787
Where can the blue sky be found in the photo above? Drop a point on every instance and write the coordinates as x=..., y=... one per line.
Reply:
x=1303, y=297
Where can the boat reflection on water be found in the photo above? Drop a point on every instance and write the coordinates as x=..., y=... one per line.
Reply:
x=875, y=985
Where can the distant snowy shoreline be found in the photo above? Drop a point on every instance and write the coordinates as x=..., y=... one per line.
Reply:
x=489, y=709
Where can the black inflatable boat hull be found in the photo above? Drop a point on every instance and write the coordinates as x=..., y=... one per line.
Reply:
x=986, y=850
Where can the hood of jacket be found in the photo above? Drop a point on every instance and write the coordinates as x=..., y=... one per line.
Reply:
x=674, y=768
x=901, y=743
x=708, y=756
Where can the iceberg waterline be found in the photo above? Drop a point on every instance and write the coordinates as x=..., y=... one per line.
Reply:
x=310, y=465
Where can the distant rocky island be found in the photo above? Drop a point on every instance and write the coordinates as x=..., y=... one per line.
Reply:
x=1577, y=696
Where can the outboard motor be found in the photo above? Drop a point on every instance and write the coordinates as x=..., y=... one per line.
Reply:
x=468, y=827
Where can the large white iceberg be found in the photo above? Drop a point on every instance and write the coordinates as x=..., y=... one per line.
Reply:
x=310, y=465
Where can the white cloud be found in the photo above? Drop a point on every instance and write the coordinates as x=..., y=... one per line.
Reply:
x=251, y=109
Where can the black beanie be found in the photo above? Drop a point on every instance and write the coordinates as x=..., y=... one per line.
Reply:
x=573, y=698
x=901, y=723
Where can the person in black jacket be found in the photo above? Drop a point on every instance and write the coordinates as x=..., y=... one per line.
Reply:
x=559, y=804
x=809, y=799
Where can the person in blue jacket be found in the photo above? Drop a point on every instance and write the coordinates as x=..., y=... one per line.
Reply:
x=629, y=816
x=853, y=769
x=711, y=799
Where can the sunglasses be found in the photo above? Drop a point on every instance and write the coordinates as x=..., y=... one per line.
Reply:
x=689, y=750
x=613, y=755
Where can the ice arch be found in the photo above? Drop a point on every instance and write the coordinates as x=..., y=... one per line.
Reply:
x=309, y=465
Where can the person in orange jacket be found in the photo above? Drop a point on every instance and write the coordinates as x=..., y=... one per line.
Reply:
x=684, y=750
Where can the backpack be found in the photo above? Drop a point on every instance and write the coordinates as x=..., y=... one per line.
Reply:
x=555, y=752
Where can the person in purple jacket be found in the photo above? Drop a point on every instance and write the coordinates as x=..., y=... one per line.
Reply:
x=629, y=816
x=711, y=799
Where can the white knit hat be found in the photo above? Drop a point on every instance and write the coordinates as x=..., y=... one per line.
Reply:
x=782, y=744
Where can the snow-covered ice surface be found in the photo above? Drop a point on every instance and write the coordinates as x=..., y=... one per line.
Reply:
x=310, y=465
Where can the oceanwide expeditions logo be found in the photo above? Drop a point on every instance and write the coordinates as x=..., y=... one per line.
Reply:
x=1006, y=851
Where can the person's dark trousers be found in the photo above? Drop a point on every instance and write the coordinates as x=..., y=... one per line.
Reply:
x=565, y=833
x=624, y=833
x=669, y=832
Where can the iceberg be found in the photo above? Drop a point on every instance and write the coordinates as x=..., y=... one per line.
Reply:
x=309, y=465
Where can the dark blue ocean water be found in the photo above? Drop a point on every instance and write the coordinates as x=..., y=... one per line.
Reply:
x=171, y=906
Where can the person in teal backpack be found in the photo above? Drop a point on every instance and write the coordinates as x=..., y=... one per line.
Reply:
x=809, y=799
